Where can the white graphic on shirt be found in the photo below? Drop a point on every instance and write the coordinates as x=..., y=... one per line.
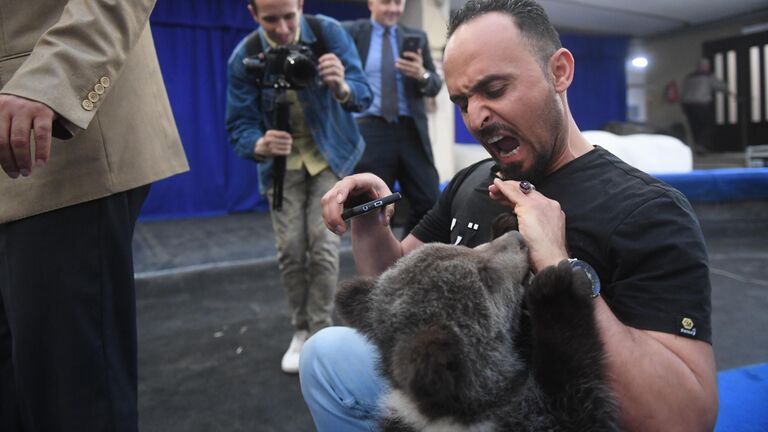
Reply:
x=470, y=226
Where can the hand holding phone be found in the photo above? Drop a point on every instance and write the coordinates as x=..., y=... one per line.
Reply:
x=370, y=206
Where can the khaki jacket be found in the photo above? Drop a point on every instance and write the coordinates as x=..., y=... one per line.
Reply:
x=94, y=63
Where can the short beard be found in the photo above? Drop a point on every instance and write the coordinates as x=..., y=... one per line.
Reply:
x=515, y=171
x=536, y=172
x=542, y=162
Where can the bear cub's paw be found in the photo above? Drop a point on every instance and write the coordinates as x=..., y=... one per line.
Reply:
x=558, y=284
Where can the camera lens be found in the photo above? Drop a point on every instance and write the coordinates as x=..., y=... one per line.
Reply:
x=299, y=69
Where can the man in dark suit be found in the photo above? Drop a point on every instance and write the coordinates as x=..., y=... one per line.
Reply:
x=395, y=125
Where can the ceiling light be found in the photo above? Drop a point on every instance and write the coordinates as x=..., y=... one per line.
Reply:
x=640, y=62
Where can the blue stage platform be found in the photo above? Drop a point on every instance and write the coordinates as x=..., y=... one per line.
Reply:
x=714, y=185
x=720, y=185
x=743, y=399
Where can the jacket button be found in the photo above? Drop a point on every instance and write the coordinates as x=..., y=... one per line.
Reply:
x=104, y=81
x=87, y=105
x=93, y=97
x=98, y=88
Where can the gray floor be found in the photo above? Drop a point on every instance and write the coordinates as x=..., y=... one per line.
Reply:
x=213, y=323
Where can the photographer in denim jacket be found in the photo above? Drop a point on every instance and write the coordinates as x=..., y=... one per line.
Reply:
x=323, y=145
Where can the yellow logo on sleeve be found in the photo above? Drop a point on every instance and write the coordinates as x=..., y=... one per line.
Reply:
x=688, y=327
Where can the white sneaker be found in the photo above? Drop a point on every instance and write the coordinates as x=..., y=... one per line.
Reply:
x=290, y=362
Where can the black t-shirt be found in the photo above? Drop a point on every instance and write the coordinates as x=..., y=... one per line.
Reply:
x=640, y=235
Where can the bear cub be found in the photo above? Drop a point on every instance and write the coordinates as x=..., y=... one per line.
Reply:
x=468, y=342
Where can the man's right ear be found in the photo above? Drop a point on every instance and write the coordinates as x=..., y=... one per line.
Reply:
x=352, y=302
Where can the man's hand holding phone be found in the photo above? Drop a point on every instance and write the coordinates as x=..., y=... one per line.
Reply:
x=353, y=191
x=411, y=62
x=370, y=206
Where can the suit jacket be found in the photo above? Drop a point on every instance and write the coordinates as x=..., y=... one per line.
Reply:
x=360, y=30
x=94, y=64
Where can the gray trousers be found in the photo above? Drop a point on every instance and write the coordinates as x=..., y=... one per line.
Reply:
x=307, y=252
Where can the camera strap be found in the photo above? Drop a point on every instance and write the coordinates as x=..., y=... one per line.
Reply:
x=253, y=42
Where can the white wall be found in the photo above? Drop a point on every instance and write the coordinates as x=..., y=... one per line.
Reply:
x=636, y=91
x=432, y=17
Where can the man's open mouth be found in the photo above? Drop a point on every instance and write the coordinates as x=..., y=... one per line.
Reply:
x=505, y=146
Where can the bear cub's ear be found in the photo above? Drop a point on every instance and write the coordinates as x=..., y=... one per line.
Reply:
x=352, y=301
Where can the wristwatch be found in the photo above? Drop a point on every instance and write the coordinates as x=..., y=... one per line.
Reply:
x=577, y=264
x=425, y=77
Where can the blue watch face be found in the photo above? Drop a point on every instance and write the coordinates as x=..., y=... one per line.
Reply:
x=590, y=272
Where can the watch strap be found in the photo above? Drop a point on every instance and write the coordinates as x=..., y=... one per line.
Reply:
x=425, y=78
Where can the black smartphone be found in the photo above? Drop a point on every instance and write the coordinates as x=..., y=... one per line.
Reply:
x=410, y=43
x=370, y=206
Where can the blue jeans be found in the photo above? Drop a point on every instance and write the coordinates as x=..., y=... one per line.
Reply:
x=340, y=382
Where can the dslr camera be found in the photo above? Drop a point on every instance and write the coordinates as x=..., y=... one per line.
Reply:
x=290, y=66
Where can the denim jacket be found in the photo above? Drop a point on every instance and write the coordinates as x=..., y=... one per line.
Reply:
x=334, y=129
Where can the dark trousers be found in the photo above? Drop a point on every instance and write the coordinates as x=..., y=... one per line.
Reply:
x=394, y=152
x=701, y=120
x=68, y=318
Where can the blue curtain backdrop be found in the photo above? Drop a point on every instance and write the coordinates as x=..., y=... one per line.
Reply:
x=194, y=39
x=598, y=93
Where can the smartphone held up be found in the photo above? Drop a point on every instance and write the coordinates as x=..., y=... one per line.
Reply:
x=370, y=206
x=410, y=43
